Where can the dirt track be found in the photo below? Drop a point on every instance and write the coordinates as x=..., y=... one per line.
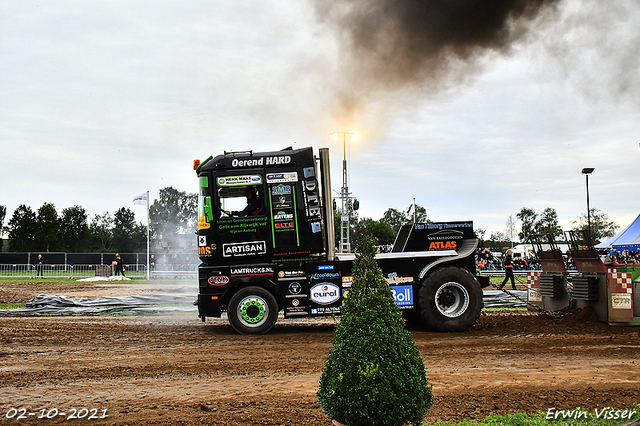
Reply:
x=175, y=370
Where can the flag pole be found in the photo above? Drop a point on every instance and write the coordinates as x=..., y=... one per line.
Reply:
x=148, y=273
x=414, y=210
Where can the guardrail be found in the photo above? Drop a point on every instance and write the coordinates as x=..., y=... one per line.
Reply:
x=85, y=271
x=174, y=274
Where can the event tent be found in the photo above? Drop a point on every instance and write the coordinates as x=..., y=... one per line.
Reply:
x=628, y=238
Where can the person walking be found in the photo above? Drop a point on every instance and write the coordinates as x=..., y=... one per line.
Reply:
x=508, y=271
x=119, y=265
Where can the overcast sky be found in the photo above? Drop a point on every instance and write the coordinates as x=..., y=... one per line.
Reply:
x=101, y=101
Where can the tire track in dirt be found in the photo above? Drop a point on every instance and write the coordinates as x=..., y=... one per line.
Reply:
x=173, y=369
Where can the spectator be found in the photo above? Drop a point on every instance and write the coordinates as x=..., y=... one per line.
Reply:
x=40, y=265
x=119, y=265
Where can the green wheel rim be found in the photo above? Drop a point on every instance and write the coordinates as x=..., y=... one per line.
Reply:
x=253, y=311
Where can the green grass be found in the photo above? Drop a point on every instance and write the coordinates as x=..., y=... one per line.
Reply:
x=540, y=418
x=498, y=280
x=19, y=305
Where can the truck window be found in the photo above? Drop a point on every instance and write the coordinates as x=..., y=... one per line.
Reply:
x=205, y=210
x=241, y=195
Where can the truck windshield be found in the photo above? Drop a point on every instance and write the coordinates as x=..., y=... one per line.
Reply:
x=241, y=195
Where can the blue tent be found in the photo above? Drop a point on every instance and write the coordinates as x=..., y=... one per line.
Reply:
x=628, y=238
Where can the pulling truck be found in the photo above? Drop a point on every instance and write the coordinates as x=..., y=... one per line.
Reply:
x=281, y=255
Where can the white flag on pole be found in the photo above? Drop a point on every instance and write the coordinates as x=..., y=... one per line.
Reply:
x=410, y=210
x=140, y=200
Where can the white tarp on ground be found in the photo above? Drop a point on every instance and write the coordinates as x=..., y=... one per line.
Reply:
x=52, y=304
x=111, y=278
x=160, y=303
x=500, y=299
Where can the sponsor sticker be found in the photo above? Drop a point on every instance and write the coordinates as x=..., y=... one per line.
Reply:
x=282, y=216
x=284, y=225
x=290, y=274
x=620, y=301
x=403, y=295
x=218, y=280
x=534, y=295
x=346, y=281
x=250, y=248
x=393, y=278
x=445, y=240
x=443, y=245
x=281, y=190
x=281, y=202
x=239, y=180
x=252, y=272
x=203, y=223
x=282, y=177
x=204, y=251
x=295, y=288
x=324, y=276
x=325, y=293
x=325, y=310
x=326, y=267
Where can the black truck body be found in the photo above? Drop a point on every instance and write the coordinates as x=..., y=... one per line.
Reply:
x=280, y=256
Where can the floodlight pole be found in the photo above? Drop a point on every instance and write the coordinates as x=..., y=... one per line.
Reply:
x=586, y=172
x=345, y=245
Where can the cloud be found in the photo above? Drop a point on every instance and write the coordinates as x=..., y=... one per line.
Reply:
x=102, y=101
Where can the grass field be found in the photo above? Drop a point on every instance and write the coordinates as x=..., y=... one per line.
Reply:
x=577, y=417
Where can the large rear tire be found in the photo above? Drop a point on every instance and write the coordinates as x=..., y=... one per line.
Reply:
x=252, y=310
x=450, y=300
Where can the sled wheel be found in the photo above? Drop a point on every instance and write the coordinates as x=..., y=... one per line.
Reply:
x=252, y=310
x=450, y=300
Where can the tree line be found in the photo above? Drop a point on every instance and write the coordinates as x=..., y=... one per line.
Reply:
x=173, y=223
x=600, y=225
x=531, y=223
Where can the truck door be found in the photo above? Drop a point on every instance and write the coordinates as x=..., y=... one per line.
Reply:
x=232, y=218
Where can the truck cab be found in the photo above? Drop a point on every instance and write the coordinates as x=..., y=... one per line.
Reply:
x=266, y=243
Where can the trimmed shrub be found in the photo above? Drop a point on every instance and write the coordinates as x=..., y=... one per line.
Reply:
x=374, y=374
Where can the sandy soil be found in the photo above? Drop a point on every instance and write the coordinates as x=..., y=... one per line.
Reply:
x=173, y=369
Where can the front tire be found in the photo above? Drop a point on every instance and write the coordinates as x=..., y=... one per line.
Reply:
x=252, y=310
x=450, y=300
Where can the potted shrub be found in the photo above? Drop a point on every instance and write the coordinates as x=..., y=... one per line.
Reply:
x=374, y=374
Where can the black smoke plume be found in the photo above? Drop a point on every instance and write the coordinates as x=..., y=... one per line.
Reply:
x=389, y=44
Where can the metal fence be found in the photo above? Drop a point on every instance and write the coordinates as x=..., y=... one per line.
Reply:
x=66, y=271
x=86, y=271
x=84, y=265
